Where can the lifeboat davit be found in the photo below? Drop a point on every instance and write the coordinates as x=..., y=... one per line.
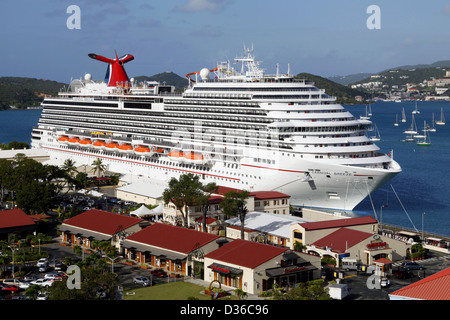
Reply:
x=127, y=148
x=99, y=144
x=74, y=140
x=176, y=155
x=112, y=145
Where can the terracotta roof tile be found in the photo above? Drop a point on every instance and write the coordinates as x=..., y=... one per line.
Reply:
x=245, y=253
x=337, y=223
x=102, y=221
x=15, y=218
x=172, y=238
x=342, y=239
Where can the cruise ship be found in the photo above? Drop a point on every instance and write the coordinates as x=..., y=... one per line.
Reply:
x=233, y=124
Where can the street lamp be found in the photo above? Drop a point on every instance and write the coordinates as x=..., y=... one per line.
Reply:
x=112, y=261
x=13, y=249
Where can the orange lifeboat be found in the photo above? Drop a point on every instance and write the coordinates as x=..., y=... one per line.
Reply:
x=63, y=139
x=74, y=140
x=99, y=144
x=142, y=149
x=125, y=147
x=194, y=157
x=112, y=145
x=176, y=155
x=86, y=142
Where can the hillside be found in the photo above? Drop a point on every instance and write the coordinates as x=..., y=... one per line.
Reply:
x=25, y=92
x=169, y=78
x=351, y=78
x=343, y=94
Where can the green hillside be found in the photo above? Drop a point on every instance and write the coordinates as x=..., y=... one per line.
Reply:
x=343, y=94
x=169, y=78
x=25, y=92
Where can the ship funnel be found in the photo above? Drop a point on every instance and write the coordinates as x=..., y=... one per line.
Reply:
x=115, y=73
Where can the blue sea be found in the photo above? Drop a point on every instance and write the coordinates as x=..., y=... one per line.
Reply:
x=418, y=193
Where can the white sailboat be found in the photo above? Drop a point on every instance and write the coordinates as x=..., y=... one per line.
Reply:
x=425, y=139
x=366, y=117
x=403, y=115
x=413, y=128
x=441, y=122
x=377, y=136
x=416, y=111
x=432, y=128
x=396, y=120
x=370, y=110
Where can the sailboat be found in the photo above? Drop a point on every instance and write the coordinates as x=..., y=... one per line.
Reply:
x=416, y=111
x=413, y=128
x=377, y=136
x=425, y=140
x=396, y=120
x=403, y=115
x=370, y=110
x=432, y=128
x=366, y=117
x=441, y=122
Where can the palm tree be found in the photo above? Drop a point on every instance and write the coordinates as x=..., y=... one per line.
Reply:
x=69, y=167
x=99, y=167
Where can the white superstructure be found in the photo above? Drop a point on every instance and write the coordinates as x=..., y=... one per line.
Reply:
x=239, y=128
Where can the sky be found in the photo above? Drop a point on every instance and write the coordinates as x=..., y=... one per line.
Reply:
x=322, y=37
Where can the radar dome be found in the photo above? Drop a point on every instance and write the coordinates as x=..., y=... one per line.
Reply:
x=204, y=74
x=87, y=77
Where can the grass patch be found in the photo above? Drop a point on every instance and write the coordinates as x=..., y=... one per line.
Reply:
x=168, y=291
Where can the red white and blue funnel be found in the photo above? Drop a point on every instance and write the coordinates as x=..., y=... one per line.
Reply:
x=115, y=74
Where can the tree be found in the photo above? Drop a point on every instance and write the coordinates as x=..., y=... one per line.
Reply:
x=234, y=204
x=183, y=193
x=69, y=167
x=99, y=167
x=208, y=189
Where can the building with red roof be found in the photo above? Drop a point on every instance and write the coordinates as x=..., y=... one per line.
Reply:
x=254, y=267
x=434, y=287
x=175, y=249
x=16, y=221
x=99, y=225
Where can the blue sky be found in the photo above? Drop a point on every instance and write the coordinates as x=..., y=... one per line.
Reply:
x=323, y=37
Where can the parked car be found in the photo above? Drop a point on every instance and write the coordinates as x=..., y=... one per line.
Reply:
x=59, y=266
x=21, y=284
x=385, y=282
x=142, y=280
x=41, y=262
x=53, y=275
x=9, y=288
x=402, y=274
x=42, y=296
x=31, y=277
x=411, y=265
x=44, y=268
x=43, y=282
x=159, y=273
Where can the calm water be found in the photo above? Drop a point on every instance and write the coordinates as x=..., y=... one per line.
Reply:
x=421, y=187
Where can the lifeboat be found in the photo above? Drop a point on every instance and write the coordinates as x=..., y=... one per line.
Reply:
x=63, y=139
x=99, y=144
x=74, y=140
x=86, y=142
x=159, y=150
x=112, y=145
x=176, y=155
x=127, y=148
x=142, y=150
x=194, y=157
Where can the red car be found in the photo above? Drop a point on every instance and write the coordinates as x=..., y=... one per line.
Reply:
x=10, y=288
x=159, y=273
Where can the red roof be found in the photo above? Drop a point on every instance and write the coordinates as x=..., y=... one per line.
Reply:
x=263, y=195
x=434, y=287
x=338, y=223
x=342, y=239
x=102, y=221
x=15, y=218
x=172, y=238
x=245, y=253
x=223, y=190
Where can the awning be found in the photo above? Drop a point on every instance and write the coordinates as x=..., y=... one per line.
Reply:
x=84, y=233
x=293, y=269
x=154, y=251
x=225, y=270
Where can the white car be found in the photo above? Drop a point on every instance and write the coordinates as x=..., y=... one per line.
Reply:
x=42, y=296
x=43, y=282
x=41, y=262
x=53, y=276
